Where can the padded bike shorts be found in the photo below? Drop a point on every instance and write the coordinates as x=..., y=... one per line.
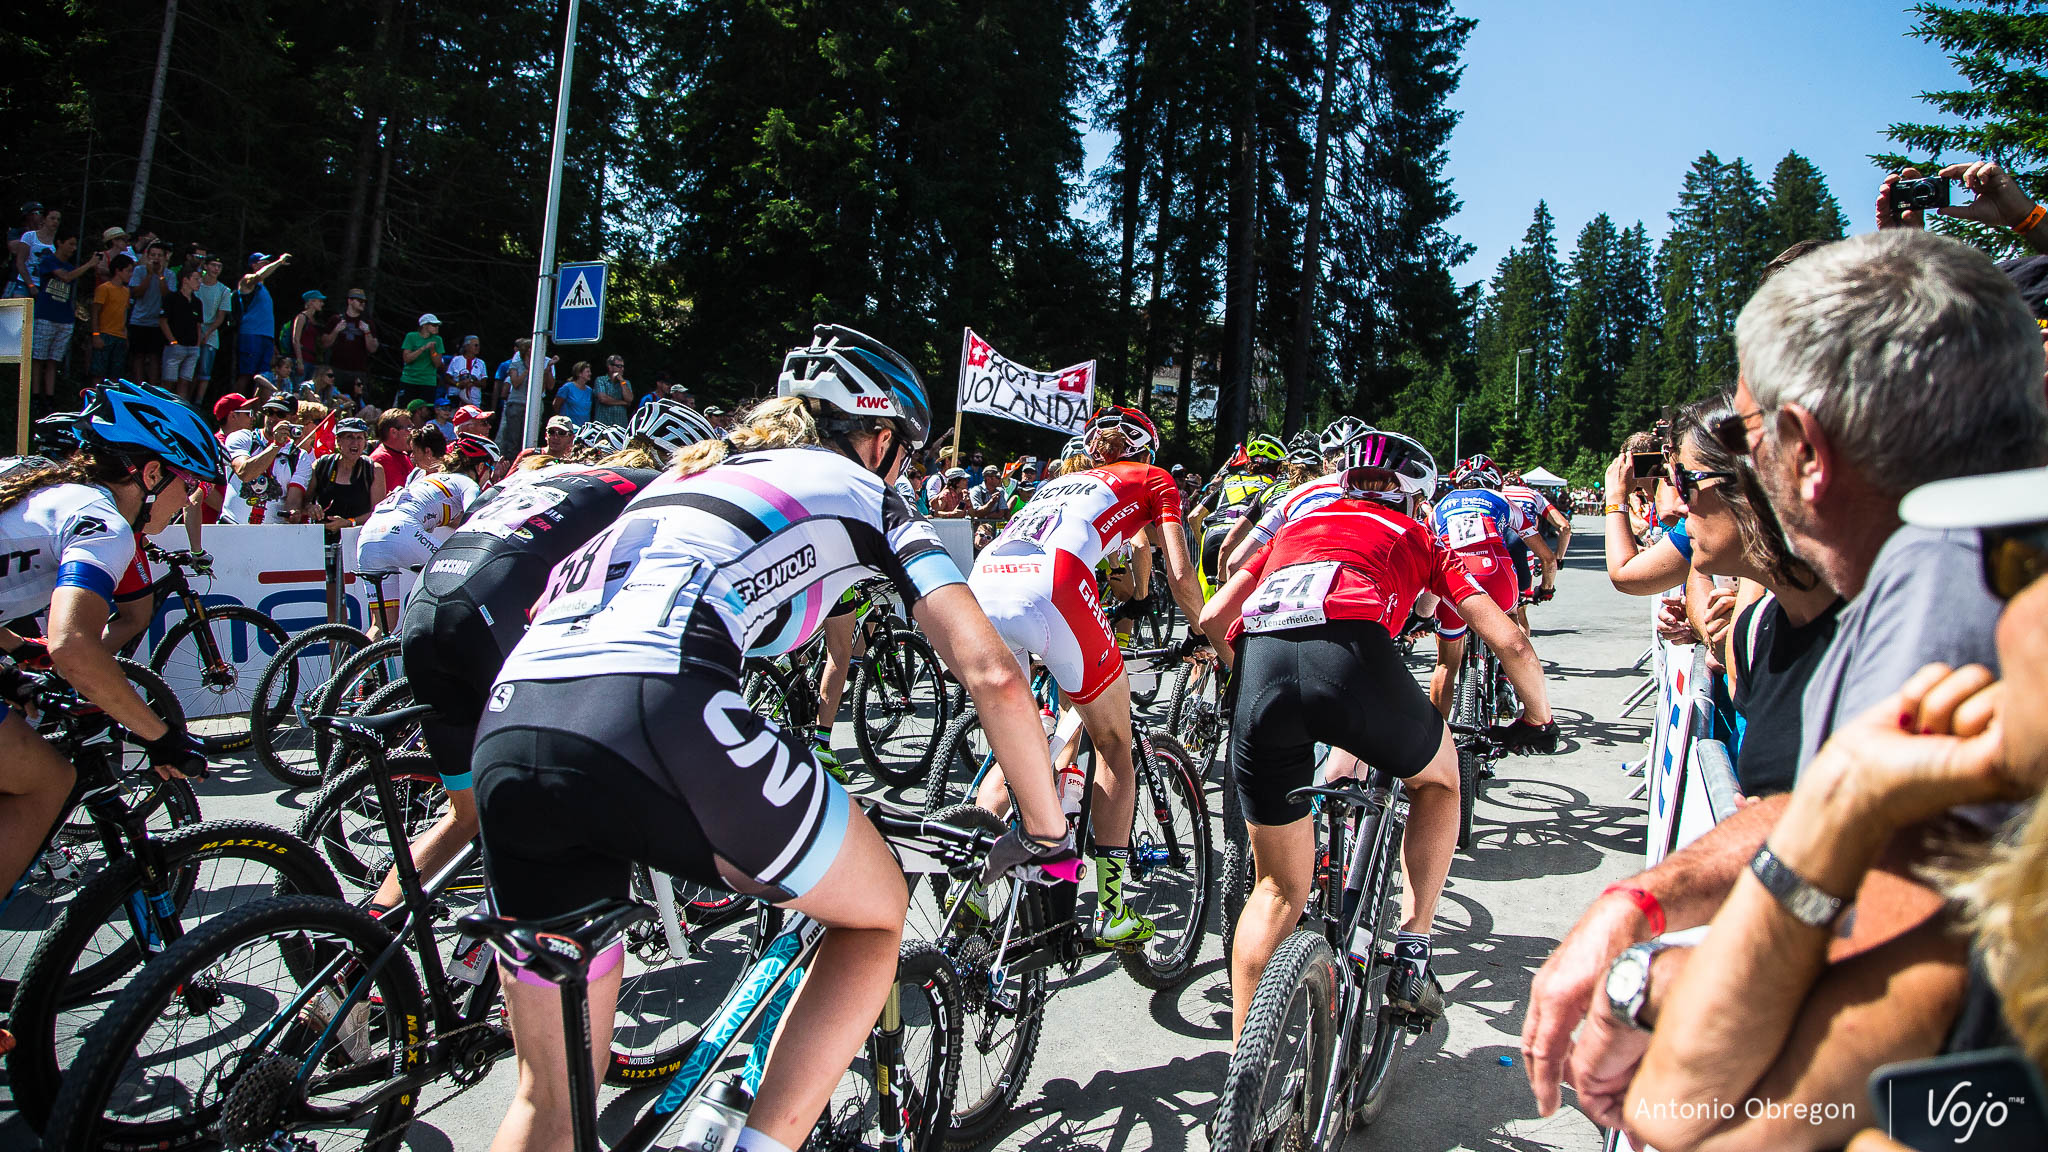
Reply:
x=1045, y=604
x=578, y=780
x=1341, y=683
x=452, y=650
x=1520, y=556
x=1492, y=568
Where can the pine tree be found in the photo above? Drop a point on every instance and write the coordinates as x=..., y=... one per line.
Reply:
x=1524, y=309
x=1585, y=379
x=2000, y=48
x=1801, y=207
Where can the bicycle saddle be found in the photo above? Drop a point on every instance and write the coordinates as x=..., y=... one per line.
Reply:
x=559, y=948
x=380, y=724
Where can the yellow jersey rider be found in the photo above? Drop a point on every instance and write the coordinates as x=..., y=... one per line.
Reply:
x=1247, y=475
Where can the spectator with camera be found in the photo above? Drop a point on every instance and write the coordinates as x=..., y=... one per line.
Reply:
x=270, y=467
x=1905, y=198
x=1872, y=366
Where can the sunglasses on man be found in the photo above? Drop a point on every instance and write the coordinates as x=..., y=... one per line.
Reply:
x=1732, y=432
x=2015, y=555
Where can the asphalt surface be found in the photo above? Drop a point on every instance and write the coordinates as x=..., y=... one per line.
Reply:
x=1120, y=1068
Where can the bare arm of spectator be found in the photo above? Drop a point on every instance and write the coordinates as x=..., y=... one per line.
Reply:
x=255, y=279
x=256, y=463
x=1633, y=569
x=369, y=335
x=1739, y=1021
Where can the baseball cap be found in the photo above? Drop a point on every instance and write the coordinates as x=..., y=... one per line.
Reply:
x=31, y=206
x=256, y=258
x=2030, y=276
x=415, y=405
x=427, y=318
x=560, y=424
x=351, y=426
x=470, y=412
x=112, y=234
x=1989, y=501
x=227, y=404
x=713, y=410
x=312, y=294
x=281, y=405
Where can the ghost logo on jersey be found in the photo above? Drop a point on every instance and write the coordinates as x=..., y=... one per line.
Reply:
x=763, y=584
x=785, y=779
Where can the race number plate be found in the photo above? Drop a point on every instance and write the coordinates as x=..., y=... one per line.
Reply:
x=1291, y=597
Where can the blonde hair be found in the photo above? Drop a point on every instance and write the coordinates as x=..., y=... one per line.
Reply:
x=537, y=460
x=634, y=456
x=310, y=411
x=783, y=422
x=1299, y=473
x=1078, y=462
x=78, y=468
x=2006, y=903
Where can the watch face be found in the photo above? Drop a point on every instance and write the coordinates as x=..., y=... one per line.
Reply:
x=1625, y=978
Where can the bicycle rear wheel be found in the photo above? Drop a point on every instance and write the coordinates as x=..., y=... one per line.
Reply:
x=1273, y=1094
x=214, y=1031
x=899, y=708
x=1169, y=877
x=237, y=635
x=964, y=755
x=345, y=823
x=288, y=695
x=1381, y=899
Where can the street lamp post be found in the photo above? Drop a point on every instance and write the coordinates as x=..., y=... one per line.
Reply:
x=1519, y=353
x=543, y=296
x=1457, y=433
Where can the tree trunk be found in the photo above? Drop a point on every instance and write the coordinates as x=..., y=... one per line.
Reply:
x=1298, y=356
x=1240, y=283
x=1131, y=131
x=1162, y=215
x=377, y=210
x=140, y=191
x=374, y=95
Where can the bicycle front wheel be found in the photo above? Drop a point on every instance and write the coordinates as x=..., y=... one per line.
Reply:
x=899, y=708
x=213, y=1044
x=345, y=823
x=1274, y=1093
x=1170, y=875
x=288, y=696
x=918, y=1040
x=213, y=663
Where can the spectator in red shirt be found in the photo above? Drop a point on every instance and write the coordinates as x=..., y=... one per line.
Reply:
x=394, y=448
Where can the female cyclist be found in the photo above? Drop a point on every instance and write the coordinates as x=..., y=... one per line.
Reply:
x=616, y=732
x=67, y=529
x=1314, y=611
x=400, y=531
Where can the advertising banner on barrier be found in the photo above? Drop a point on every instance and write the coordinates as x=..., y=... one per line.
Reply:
x=1680, y=673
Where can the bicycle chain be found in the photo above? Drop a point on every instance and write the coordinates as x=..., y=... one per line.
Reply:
x=385, y=1060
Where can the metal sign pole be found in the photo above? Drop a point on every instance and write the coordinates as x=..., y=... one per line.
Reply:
x=544, y=292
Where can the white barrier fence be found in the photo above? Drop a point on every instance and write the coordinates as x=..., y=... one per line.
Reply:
x=281, y=571
x=1689, y=776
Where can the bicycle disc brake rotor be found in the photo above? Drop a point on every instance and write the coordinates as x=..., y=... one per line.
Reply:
x=254, y=1103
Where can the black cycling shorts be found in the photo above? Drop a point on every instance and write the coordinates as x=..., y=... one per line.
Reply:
x=1518, y=555
x=578, y=780
x=1341, y=683
x=451, y=654
x=1213, y=532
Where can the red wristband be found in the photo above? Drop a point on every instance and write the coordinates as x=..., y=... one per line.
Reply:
x=1652, y=911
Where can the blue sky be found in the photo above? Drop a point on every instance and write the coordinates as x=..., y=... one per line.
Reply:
x=1601, y=105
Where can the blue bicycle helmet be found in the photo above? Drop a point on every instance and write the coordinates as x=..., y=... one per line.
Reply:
x=860, y=376
x=138, y=423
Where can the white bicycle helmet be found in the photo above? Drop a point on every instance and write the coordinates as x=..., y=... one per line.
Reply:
x=669, y=425
x=1340, y=432
x=1380, y=451
x=602, y=439
x=859, y=376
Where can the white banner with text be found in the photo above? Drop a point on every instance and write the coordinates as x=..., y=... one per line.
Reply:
x=994, y=385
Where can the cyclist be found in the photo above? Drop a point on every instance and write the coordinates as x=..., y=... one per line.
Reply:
x=616, y=733
x=400, y=531
x=1252, y=534
x=68, y=527
x=1249, y=474
x=469, y=607
x=1476, y=522
x=1536, y=509
x=1037, y=583
x=594, y=439
x=1314, y=611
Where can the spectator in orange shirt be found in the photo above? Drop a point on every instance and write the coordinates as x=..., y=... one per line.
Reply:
x=110, y=321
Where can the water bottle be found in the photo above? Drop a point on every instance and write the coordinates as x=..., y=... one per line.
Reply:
x=1072, y=780
x=472, y=954
x=714, y=1125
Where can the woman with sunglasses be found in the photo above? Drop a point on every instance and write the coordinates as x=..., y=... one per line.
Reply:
x=1788, y=618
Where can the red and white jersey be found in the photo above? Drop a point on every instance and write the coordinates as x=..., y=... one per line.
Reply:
x=1088, y=514
x=1533, y=505
x=1305, y=499
x=1355, y=559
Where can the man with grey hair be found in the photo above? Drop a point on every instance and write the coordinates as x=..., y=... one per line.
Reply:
x=1869, y=367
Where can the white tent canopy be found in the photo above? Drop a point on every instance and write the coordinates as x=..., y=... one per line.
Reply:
x=1543, y=478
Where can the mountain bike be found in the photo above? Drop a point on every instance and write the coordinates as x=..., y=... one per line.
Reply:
x=288, y=696
x=201, y=655
x=1317, y=1052
x=1005, y=939
x=901, y=704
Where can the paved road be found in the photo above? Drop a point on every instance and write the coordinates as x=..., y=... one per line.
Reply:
x=1121, y=1069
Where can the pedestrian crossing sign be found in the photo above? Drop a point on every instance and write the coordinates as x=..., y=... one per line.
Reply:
x=579, y=303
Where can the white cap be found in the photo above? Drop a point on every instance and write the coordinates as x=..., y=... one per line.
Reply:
x=428, y=318
x=1989, y=501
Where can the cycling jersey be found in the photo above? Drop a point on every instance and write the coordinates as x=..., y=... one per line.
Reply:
x=61, y=536
x=469, y=608
x=1356, y=559
x=1037, y=583
x=1232, y=491
x=1477, y=524
x=138, y=581
x=1533, y=505
x=1303, y=500
x=744, y=557
x=399, y=533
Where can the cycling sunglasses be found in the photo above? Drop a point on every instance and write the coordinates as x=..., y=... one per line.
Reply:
x=1732, y=432
x=1688, y=480
x=2015, y=555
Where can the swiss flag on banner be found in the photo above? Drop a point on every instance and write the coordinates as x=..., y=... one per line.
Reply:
x=1074, y=380
x=978, y=351
x=992, y=383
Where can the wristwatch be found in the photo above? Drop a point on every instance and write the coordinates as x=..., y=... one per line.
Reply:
x=1807, y=904
x=1628, y=982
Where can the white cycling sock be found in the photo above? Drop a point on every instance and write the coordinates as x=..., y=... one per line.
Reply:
x=755, y=1140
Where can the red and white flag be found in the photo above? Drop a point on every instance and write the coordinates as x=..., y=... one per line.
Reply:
x=996, y=386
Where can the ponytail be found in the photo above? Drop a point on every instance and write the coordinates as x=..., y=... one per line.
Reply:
x=784, y=422
x=79, y=468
